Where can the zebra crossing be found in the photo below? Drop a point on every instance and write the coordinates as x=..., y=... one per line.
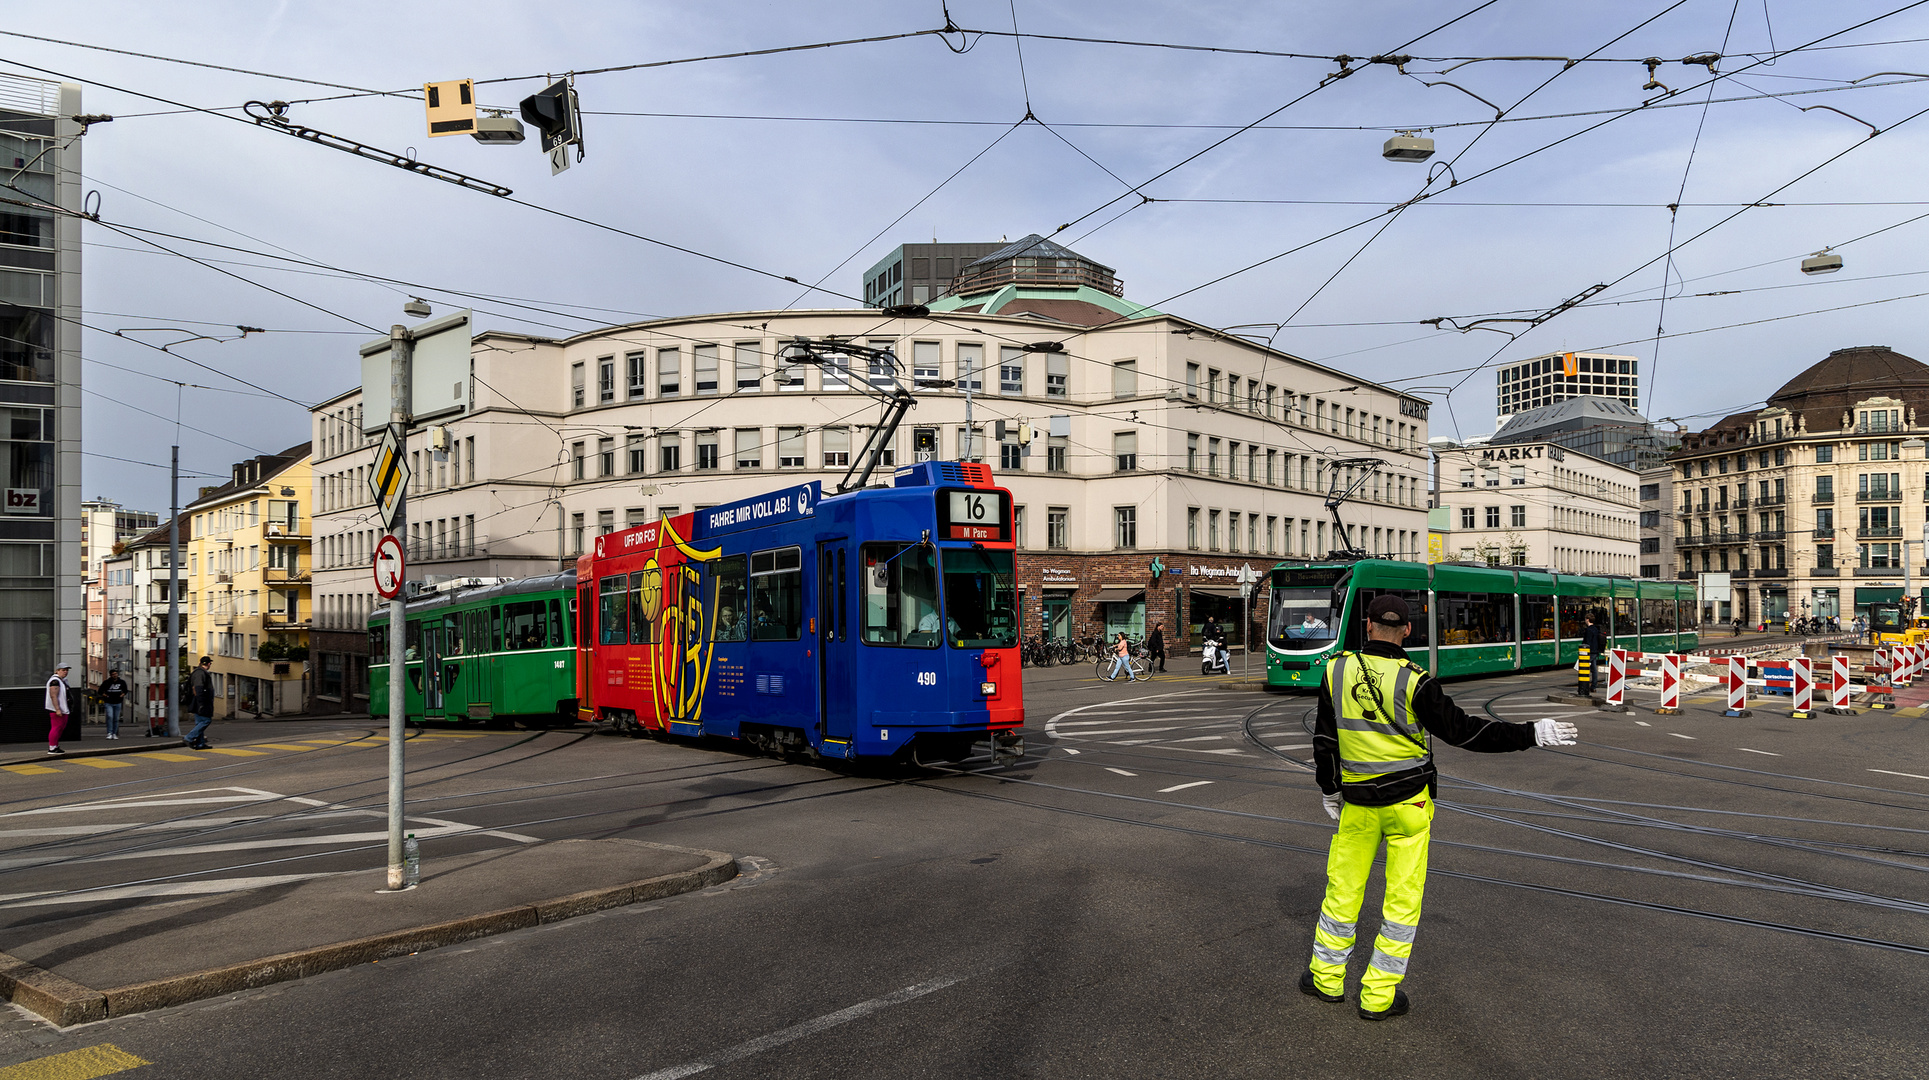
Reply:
x=1205, y=722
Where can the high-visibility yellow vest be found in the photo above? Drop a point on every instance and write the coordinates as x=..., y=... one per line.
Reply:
x=1377, y=734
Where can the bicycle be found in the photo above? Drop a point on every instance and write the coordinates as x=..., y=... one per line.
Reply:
x=1136, y=665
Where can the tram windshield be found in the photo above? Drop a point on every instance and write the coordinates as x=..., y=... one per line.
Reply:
x=1303, y=616
x=980, y=599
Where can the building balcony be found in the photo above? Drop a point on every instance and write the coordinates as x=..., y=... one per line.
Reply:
x=1743, y=572
x=285, y=575
x=281, y=620
x=298, y=529
x=1893, y=532
x=224, y=579
x=1741, y=502
x=1822, y=497
x=1685, y=575
x=1767, y=535
x=1772, y=571
x=1722, y=505
x=1877, y=571
x=1826, y=571
x=1770, y=500
x=1822, y=534
x=1701, y=508
x=1875, y=495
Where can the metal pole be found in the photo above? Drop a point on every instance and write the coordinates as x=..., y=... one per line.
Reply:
x=401, y=354
x=174, y=596
x=1246, y=627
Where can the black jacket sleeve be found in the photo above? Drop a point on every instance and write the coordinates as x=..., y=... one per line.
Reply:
x=1326, y=744
x=1440, y=716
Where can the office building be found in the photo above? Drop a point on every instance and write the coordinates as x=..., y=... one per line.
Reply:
x=1558, y=377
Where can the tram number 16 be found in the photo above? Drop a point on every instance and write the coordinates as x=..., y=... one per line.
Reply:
x=927, y=678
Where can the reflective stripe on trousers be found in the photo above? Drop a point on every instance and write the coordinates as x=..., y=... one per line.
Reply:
x=1405, y=828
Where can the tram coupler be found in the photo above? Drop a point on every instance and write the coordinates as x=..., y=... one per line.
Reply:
x=1007, y=747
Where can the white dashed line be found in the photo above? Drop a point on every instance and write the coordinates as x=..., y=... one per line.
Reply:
x=1295, y=746
x=1121, y=772
x=1644, y=723
x=1910, y=775
x=1764, y=753
x=1203, y=738
x=1068, y=749
x=1679, y=735
x=1182, y=787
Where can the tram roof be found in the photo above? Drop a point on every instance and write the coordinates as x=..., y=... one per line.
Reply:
x=501, y=590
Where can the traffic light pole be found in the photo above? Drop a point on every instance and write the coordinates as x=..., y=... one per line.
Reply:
x=401, y=356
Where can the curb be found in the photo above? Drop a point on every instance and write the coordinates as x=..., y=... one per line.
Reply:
x=146, y=744
x=65, y=1002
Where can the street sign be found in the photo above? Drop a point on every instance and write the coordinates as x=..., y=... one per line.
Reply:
x=389, y=566
x=451, y=107
x=389, y=478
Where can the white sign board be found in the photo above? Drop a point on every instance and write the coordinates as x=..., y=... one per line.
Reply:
x=1714, y=586
x=438, y=370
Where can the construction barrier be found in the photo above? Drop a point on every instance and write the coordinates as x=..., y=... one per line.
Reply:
x=1584, y=672
x=1737, y=687
x=1670, y=685
x=1802, y=674
x=1839, y=686
x=1617, y=679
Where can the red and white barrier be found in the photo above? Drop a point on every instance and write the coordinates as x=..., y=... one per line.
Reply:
x=1839, y=686
x=1737, y=686
x=1617, y=680
x=1670, y=685
x=1802, y=675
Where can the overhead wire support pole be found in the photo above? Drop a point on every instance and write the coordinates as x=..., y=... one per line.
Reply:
x=174, y=596
x=1345, y=548
x=401, y=358
x=271, y=117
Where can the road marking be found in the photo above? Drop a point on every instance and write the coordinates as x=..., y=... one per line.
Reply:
x=28, y=770
x=160, y=756
x=1182, y=787
x=1678, y=735
x=1121, y=772
x=1203, y=750
x=173, y=888
x=1295, y=746
x=85, y=1064
x=117, y=804
x=1121, y=731
x=1764, y=753
x=1644, y=723
x=103, y=763
x=1202, y=738
x=799, y=1031
x=282, y=746
x=131, y=826
x=1068, y=749
x=235, y=753
x=1910, y=775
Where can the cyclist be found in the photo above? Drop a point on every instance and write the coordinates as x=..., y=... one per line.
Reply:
x=1122, y=658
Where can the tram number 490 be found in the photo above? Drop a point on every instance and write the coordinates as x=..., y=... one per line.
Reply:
x=927, y=678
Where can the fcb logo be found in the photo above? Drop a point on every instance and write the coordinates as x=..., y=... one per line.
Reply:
x=649, y=591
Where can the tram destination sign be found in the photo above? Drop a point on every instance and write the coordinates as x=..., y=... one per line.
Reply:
x=974, y=515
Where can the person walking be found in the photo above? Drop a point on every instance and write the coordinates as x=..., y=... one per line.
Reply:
x=57, y=708
x=1155, y=644
x=201, y=703
x=1122, y=658
x=113, y=692
x=1376, y=717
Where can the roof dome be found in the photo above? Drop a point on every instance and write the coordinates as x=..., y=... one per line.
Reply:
x=1848, y=375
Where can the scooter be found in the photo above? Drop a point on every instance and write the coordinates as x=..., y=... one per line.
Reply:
x=1213, y=658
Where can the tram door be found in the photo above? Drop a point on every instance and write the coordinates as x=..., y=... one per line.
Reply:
x=836, y=641
x=432, y=631
x=585, y=637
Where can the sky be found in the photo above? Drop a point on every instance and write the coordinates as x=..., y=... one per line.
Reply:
x=1226, y=183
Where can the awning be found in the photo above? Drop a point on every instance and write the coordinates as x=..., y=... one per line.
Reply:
x=1119, y=594
x=1230, y=591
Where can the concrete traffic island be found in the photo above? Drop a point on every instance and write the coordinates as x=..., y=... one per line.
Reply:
x=113, y=960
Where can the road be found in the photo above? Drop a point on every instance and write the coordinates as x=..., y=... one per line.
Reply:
x=1687, y=895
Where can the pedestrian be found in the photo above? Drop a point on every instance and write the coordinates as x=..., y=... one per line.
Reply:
x=1373, y=758
x=112, y=693
x=1122, y=658
x=58, y=709
x=1595, y=639
x=1155, y=643
x=201, y=698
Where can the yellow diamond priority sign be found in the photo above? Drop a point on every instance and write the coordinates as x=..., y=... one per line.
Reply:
x=389, y=478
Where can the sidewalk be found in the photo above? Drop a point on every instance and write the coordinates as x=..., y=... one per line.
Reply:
x=111, y=960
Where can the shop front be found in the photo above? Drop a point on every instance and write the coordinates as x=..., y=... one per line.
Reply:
x=1056, y=613
x=1866, y=596
x=1774, y=604
x=1121, y=609
x=1825, y=603
x=1219, y=604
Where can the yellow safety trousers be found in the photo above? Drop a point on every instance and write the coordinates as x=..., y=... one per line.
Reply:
x=1405, y=826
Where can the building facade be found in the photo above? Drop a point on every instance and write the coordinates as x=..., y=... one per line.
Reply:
x=104, y=524
x=1558, y=377
x=919, y=273
x=1163, y=459
x=42, y=608
x=248, y=594
x=137, y=584
x=1808, y=502
x=1604, y=428
x=1541, y=505
x=1657, y=522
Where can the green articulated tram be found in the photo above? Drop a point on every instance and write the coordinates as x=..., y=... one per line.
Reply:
x=1468, y=620
x=498, y=653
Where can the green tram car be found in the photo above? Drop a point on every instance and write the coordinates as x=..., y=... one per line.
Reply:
x=1468, y=620
x=497, y=653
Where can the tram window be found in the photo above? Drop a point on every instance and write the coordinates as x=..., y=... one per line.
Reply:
x=612, y=616
x=1574, y=611
x=1624, y=617
x=586, y=615
x=495, y=628
x=1690, y=618
x=900, y=586
x=1537, y=618
x=981, y=597
x=827, y=599
x=643, y=629
x=1657, y=615
x=730, y=591
x=843, y=605
x=412, y=641
x=558, y=630
x=1476, y=618
x=523, y=625
x=378, y=644
x=777, y=595
x=1355, y=637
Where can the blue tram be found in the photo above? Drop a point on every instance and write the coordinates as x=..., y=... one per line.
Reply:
x=878, y=623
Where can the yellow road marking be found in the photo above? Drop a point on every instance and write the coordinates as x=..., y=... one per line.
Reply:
x=103, y=763
x=234, y=753
x=28, y=770
x=325, y=742
x=282, y=746
x=161, y=755
x=103, y=1060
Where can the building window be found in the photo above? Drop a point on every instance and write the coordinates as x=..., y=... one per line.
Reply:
x=576, y=533
x=606, y=457
x=837, y=448
x=1126, y=520
x=1212, y=457
x=1125, y=379
x=639, y=454
x=1056, y=529
x=669, y=451
x=1466, y=517
x=924, y=361
x=750, y=444
x=1212, y=530
x=1192, y=382
x=669, y=372
x=575, y=461
x=1056, y=370
x=1493, y=517
x=1011, y=456
x=576, y=400
x=1125, y=450
x=1272, y=539
x=1192, y=528
x=708, y=456
x=971, y=365
x=1192, y=453
x=606, y=380
x=705, y=361
x=1824, y=455
x=836, y=373
x=1517, y=474
x=1011, y=370
x=1018, y=526
x=1517, y=517
x=750, y=367
x=790, y=448
x=1055, y=448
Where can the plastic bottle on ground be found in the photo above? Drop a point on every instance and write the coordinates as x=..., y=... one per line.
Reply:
x=411, y=861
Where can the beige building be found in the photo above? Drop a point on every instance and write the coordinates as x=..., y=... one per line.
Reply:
x=1808, y=502
x=247, y=549
x=1540, y=504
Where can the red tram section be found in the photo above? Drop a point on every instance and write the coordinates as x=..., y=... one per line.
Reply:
x=876, y=623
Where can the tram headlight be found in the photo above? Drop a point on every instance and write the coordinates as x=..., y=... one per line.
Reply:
x=988, y=689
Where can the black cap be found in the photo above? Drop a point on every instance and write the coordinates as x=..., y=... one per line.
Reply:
x=1389, y=611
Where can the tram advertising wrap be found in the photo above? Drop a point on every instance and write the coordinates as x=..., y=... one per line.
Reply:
x=878, y=623
x=1467, y=620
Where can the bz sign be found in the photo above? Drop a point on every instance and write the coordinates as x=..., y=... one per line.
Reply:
x=23, y=501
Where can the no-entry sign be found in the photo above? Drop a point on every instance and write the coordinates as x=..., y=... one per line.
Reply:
x=388, y=567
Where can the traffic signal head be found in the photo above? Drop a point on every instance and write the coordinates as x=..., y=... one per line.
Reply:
x=451, y=107
x=553, y=112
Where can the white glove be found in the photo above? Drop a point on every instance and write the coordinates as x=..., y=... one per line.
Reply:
x=1554, y=733
x=1333, y=803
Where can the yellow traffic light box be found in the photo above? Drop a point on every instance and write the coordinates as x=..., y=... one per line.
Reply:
x=451, y=107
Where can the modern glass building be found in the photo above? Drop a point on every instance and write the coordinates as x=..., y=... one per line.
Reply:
x=42, y=614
